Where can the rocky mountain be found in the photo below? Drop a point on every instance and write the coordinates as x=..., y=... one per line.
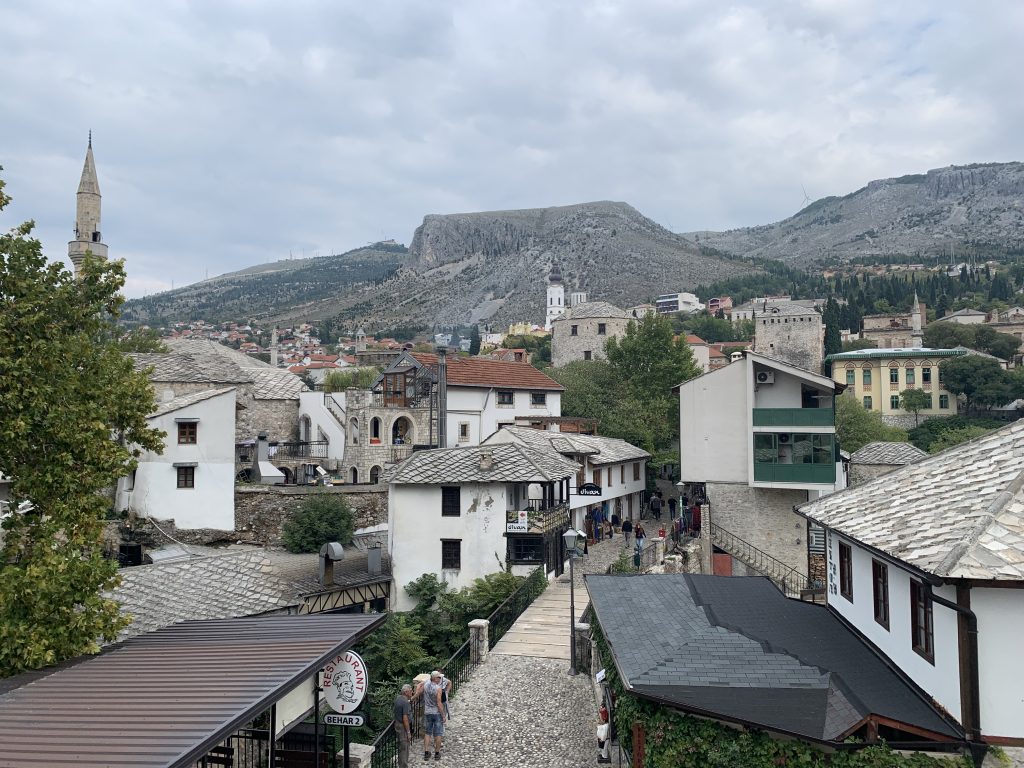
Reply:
x=975, y=207
x=460, y=268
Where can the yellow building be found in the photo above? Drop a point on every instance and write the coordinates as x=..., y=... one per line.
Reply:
x=876, y=377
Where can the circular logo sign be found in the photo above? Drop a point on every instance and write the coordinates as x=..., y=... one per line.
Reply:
x=345, y=682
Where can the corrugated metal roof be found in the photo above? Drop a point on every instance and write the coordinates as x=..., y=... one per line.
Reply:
x=161, y=700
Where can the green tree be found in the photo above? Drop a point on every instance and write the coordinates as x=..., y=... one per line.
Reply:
x=360, y=378
x=856, y=426
x=856, y=344
x=647, y=358
x=539, y=348
x=474, y=341
x=981, y=380
x=141, y=340
x=915, y=401
x=322, y=518
x=833, y=338
x=952, y=437
x=72, y=419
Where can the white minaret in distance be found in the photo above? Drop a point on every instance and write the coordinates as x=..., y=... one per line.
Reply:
x=556, y=297
x=916, y=335
x=87, y=216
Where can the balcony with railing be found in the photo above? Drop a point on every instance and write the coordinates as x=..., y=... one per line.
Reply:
x=316, y=449
x=535, y=518
x=794, y=417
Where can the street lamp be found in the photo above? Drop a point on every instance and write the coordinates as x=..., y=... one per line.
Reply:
x=573, y=545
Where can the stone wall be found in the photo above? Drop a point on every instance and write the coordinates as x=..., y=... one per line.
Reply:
x=362, y=454
x=795, y=339
x=565, y=347
x=861, y=473
x=763, y=517
x=278, y=418
x=260, y=511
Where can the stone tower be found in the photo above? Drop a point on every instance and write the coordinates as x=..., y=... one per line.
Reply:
x=87, y=216
x=556, y=297
x=791, y=333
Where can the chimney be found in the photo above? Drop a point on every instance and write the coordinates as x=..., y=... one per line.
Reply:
x=442, y=397
x=373, y=560
x=486, y=461
x=328, y=554
x=262, y=448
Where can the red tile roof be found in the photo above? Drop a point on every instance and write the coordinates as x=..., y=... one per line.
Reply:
x=481, y=372
x=692, y=339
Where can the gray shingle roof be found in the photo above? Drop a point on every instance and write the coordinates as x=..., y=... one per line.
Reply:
x=738, y=649
x=276, y=384
x=784, y=308
x=215, y=587
x=601, y=450
x=887, y=453
x=957, y=514
x=177, y=403
x=511, y=463
x=210, y=347
x=596, y=309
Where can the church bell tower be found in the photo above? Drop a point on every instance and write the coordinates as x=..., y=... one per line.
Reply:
x=87, y=216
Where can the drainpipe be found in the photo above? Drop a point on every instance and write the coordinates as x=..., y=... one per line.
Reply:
x=973, y=727
x=442, y=397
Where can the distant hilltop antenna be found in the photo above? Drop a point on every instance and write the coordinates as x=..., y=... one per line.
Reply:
x=807, y=199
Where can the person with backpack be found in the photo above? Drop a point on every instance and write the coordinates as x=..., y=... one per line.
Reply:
x=627, y=529
x=656, y=506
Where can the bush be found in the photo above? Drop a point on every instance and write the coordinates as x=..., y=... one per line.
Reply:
x=933, y=430
x=322, y=518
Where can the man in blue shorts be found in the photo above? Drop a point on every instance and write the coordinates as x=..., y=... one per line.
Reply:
x=433, y=715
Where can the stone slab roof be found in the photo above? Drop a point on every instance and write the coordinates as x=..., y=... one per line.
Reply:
x=220, y=586
x=180, y=367
x=595, y=310
x=301, y=570
x=276, y=384
x=786, y=308
x=600, y=450
x=484, y=372
x=957, y=514
x=738, y=649
x=177, y=403
x=510, y=463
x=210, y=347
x=887, y=453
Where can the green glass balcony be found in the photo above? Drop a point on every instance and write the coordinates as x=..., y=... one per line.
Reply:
x=794, y=417
x=794, y=473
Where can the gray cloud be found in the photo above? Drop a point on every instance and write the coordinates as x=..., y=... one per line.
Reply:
x=233, y=133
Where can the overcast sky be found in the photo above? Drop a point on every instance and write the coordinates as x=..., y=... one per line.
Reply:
x=228, y=134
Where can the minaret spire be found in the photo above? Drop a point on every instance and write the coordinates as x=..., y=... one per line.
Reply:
x=87, y=215
x=916, y=334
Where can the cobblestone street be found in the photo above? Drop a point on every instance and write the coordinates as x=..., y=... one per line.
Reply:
x=524, y=710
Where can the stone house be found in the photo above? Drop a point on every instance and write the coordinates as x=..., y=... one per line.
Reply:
x=879, y=458
x=927, y=563
x=790, y=332
x=463, y=513
x=582, y=331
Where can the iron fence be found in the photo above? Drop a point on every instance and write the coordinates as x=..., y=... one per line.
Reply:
x=648, y=557
x=304, y=450
x=385, y=748
x=505, y=615
x=790, y=580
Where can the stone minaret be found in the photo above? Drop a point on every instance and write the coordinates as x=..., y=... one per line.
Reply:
x=916, y=335
x=87, y=216
x=556, y=297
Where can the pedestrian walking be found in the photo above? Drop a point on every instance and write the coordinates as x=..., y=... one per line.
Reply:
x=656, y=506
x=671, y=507
x=603, y=736
x=641, y=537
x=403, y=724
x=608, y=530
x=627, y=529
x=433, y=715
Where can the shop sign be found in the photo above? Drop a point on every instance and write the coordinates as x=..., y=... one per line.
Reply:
x=345, y=682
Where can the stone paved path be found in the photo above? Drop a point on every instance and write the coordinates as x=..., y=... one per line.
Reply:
x=521, y=707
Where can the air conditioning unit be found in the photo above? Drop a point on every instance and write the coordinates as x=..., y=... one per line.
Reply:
x=784, y=439
x=765, y=377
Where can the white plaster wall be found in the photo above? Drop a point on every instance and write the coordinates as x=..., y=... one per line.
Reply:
x=311, y=404
x=702, y=356
x=211, y=503
x=941, y=680
x=479, y=407
x=784, y=393
x=715, y=439
x=1000, y=615
x=416, y=528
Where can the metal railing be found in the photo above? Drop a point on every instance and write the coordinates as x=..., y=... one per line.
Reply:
x=790, y=580
x=302, y=450
x=385, y=748
x=335, y=410
x=647, y=557
x=400, y=453
x=398, y=400
x=505, y=615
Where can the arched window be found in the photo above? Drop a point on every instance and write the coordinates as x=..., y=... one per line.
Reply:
x=374, y=474
x=354, y=475
x=402, y=431
x=375, y=430
x=353, y=428
x=305, y=429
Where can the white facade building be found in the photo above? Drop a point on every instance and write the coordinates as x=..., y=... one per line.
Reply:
x=193, y=481
x=678, y=302
x=464, y=513
x=757, y=437
x=918, y=555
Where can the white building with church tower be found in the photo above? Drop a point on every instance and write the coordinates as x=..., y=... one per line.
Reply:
x=87, y=216
x=556, y=297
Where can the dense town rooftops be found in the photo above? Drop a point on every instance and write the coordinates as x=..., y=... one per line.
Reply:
x=484, y=372
x=958, y=514
x=491, y=463
x=738, y=650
